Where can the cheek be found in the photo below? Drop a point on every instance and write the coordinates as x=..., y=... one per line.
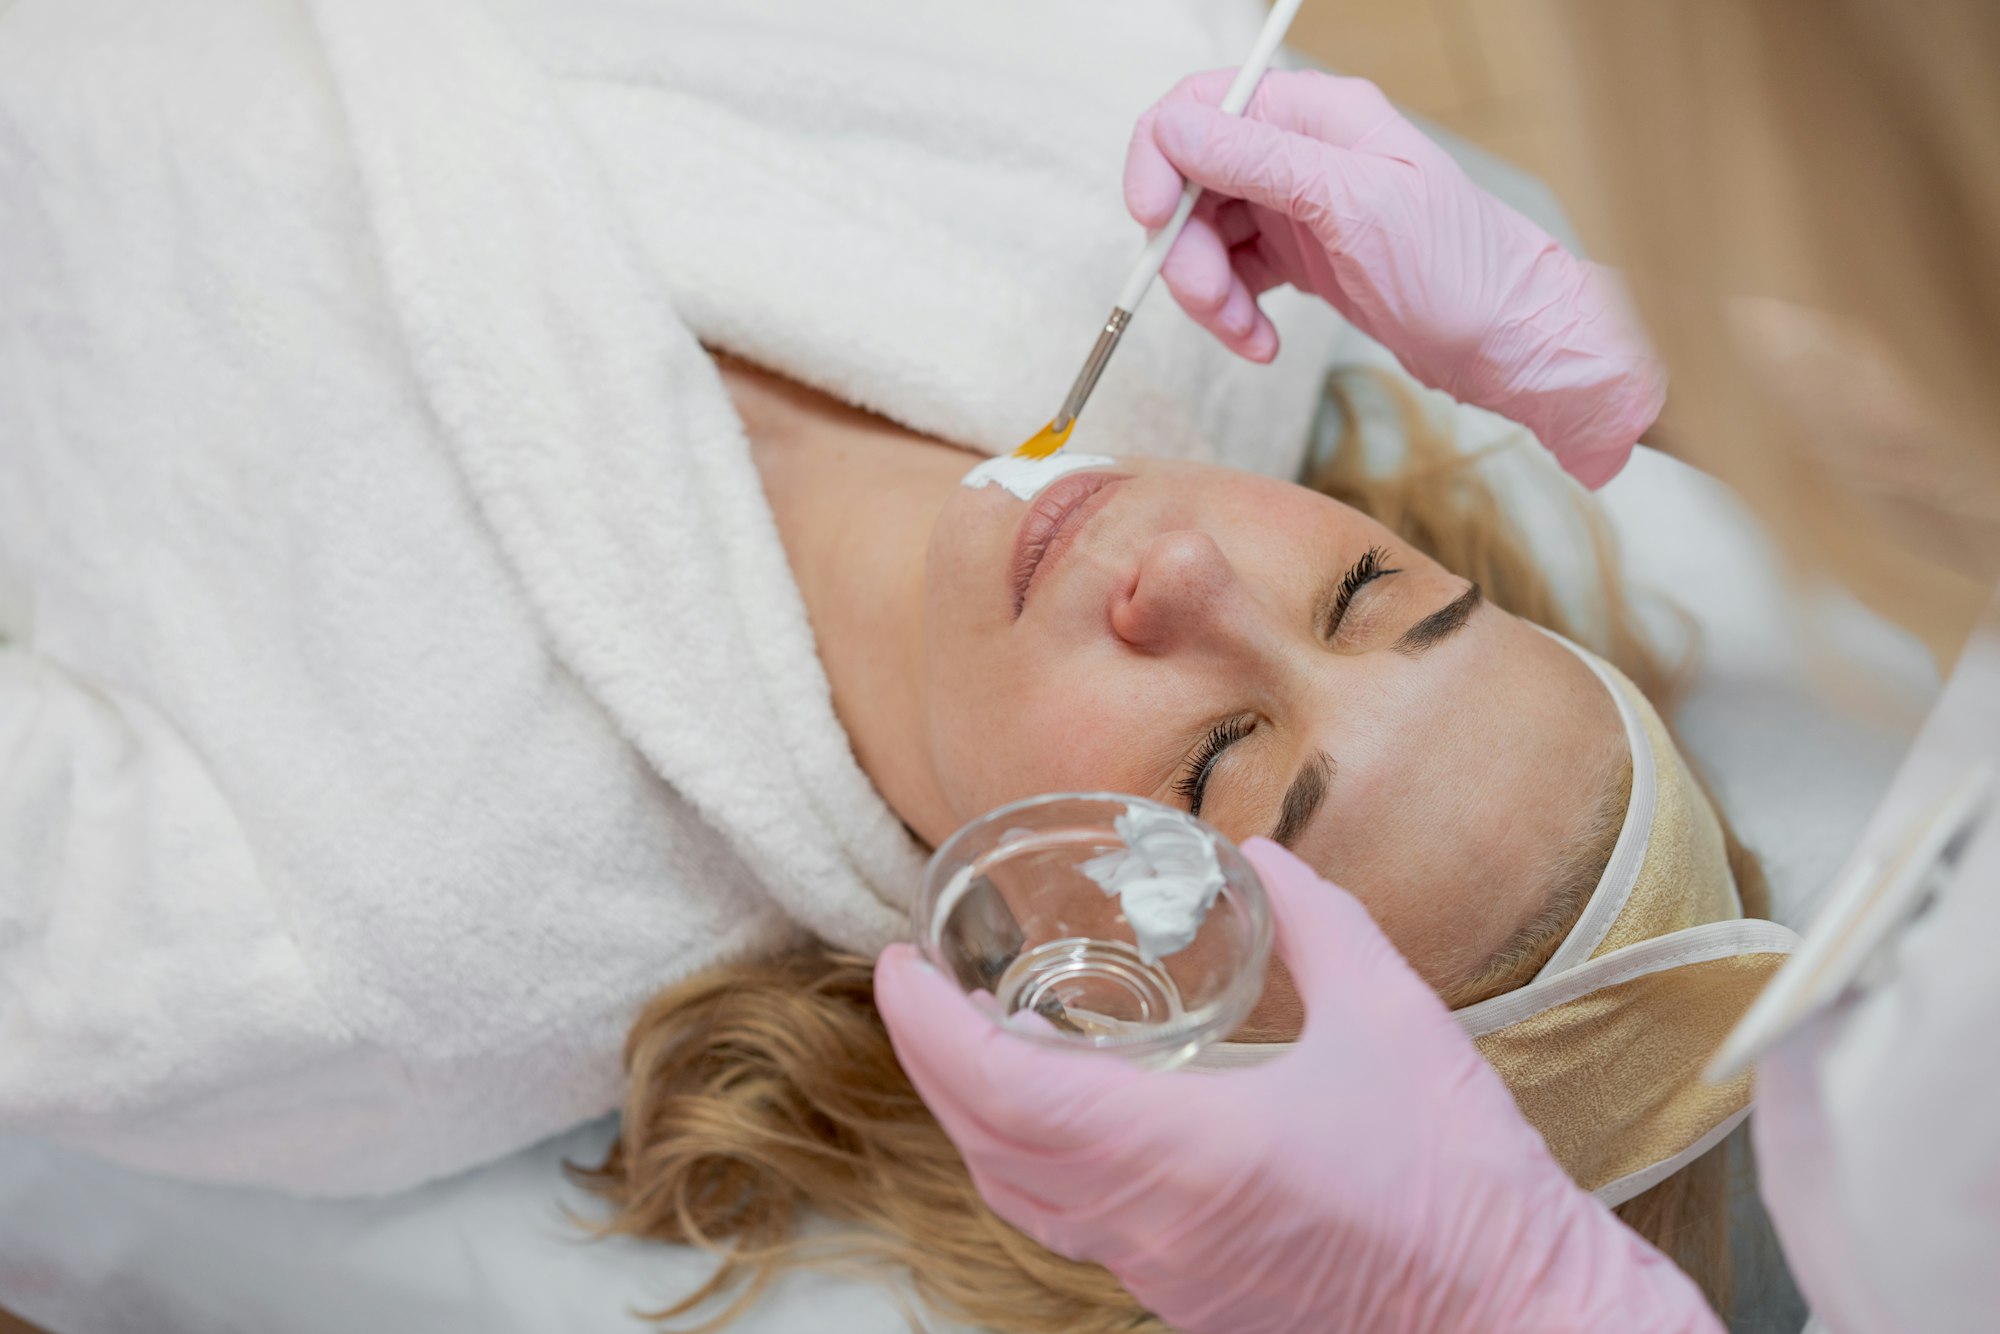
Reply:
x=1026, y=739
x=1011, y=716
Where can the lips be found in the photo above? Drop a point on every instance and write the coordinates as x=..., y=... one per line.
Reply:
x=1052, y=524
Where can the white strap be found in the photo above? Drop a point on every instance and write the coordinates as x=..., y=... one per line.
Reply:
x=1614, y=1193
x=1628, y=855
x=1695, y=944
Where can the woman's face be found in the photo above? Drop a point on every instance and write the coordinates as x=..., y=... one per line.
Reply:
x=1278, y=663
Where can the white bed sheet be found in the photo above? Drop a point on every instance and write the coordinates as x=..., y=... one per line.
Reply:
x=86, y=1248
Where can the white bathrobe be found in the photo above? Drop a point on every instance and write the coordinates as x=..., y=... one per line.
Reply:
x=402, y=676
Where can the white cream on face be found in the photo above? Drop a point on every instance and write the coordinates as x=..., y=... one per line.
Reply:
x=1166, y=878
x=1025, y=477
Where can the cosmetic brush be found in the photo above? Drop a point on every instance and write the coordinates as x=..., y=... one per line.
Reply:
x=1053, y=436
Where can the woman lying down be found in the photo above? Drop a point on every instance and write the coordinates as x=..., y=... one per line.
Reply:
x=429, y=668
x=1276, y=659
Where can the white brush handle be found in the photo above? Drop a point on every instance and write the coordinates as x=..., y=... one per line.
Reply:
x=1155, y=253
x=1233, y=102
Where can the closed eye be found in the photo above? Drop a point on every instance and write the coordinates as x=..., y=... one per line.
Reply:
x=1192, y=785
x=1334, y=602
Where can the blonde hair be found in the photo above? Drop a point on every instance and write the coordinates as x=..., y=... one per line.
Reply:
x=1806, y=197
x=761, y=1089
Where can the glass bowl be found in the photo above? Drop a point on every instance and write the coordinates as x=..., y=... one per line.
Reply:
x=1086, y=909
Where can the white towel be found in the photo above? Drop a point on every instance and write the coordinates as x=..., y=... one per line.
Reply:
x=404, y=678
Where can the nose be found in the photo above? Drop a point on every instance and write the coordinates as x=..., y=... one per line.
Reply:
x=1187, y=594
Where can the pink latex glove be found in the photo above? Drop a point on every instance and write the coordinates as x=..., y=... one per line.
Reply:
x=1377, y=1176
x=1321, y=184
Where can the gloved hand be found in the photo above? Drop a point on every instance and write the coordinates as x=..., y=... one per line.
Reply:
x=1321, y=184
x=1377, y=1176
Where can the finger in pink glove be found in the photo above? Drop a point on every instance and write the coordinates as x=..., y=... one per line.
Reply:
x=1322, y=184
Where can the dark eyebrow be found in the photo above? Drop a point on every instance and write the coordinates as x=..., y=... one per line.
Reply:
x=1440, y=625
x=1303, y=798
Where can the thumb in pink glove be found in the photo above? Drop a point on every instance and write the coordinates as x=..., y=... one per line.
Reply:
x=1376, y=1176
x=1321, y=184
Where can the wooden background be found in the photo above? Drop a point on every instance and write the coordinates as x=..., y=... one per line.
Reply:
x=1478, y=67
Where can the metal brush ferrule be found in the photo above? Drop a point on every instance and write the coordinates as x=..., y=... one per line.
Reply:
x=1093, y=366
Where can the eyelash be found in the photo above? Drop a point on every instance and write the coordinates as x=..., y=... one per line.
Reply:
x=1362, y=573
x=1192, y=785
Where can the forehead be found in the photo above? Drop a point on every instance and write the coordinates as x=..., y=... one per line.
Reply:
x=1461, y=786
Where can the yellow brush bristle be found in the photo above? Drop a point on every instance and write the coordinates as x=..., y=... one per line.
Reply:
x=1045, y=442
